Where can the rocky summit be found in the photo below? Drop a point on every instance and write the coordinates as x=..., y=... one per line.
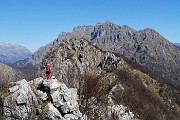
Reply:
x=41, y=99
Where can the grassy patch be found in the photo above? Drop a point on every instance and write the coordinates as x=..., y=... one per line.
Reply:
x=43, y=104
x=141, y=100
x=165, y=92
x=108, y=79
x=4, y=92
x=150, y=83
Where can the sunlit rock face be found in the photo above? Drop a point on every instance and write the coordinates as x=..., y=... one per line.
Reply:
x=41, y=99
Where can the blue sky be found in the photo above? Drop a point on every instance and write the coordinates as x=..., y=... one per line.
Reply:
x=34, y=23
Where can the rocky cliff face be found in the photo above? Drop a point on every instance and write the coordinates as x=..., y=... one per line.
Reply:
x=10, y=53
x=146, y=47
x=109, y=86
x=75, y=56
x=40, y=99
x=37, y=56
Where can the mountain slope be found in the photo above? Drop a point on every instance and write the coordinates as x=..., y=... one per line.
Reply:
x=10, y=53
x=8, y=74
x=119, y=83
x=146, y=47
x=29, y=66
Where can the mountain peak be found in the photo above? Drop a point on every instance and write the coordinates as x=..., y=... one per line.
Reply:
x=106, y=23
x=150, y=30
x=6, y=44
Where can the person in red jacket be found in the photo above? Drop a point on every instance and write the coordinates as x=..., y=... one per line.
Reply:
x=48, y=71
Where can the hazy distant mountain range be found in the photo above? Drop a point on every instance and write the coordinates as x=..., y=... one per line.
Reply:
x=10, y=53
x=177, y=44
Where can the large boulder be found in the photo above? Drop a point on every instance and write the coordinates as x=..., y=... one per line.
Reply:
x=64, y=99
x=22, y=103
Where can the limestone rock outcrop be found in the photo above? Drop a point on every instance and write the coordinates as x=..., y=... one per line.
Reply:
x=76, y=56
x=41, y=99
x=21, y=103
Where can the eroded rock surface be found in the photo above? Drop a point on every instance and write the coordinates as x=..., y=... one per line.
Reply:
x=41, y=99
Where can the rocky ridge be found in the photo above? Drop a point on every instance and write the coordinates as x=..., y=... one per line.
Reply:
x=146, y=47
x=89, y=70
x=80, y=64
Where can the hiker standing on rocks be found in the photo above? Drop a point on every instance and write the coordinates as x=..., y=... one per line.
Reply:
x=45, y=83
x=48, y=71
